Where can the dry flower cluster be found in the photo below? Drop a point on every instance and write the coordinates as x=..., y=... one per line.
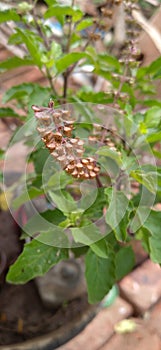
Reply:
x=55, y=128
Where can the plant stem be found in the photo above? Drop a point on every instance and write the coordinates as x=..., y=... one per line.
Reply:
x=67, y=50
x=99, y=183
x=47, y=46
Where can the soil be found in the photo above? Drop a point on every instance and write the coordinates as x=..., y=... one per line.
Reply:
x=22, y=313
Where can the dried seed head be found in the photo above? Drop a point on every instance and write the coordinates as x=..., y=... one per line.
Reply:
x=58, y=137
x=74, y=141
x=67, y=131
x=65, y=113
x=96, y=169
x=94, y=36
x=90, y=166
x=74, y=173
x=85, y=161
x=79, y=152
x=79, y=166
x=41, y=130
x=80, y=143
x=60, y=150
x=92, y=175
x=55, y=154
x=51, y=146
x=91, y=160
x=106, y=12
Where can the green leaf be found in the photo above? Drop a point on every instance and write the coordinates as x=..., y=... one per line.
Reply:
x=86, y=235
x=148, y=179
x=57, y=181
x=70, y=58
x=9, y=112
x=108, y=62
x=18, y=91
x=152, y=224
x=44, y=222
x=60, y=11
x=154, y=67
x=107, y=152
x=154, y=137
x=63, y=200
x=153, y=117
x=85, y=23
x=125, y=261
x=26, y=196
x=100, y=276
x=35, y=260
x=101, y=248
x=33, y=44
x=96, y=209
x=155, y=249
x=9, y=15
x=14, y=62
x=116, y=215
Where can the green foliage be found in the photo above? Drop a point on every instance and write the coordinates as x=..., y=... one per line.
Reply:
x=35, y=260
x=9, y=15
x=113, y=202
x=100, y=275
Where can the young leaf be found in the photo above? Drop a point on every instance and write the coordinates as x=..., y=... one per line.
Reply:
x=116, y=216
x=153, y=117
x=70, y=58
x=9, y=112
x=33, y=44
x=148, y=179
x=85, y=23
x=125, y=260
x=60, y=11
x=63, y=200
x=9, y=15
x=86, y=234
x=100, y=276
x=113, y=154
x=101, y=248
x=18, y=91
x=35, y=260
x=14, y=62
x=26, y=196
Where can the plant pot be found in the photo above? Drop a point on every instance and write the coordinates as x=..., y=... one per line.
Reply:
x=54, y=339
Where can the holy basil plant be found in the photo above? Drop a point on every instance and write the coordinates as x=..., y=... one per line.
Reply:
x=95, y=157
x=98, y=193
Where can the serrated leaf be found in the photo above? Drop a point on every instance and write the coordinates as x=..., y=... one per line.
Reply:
x=85, y=23
x=70, y=58
x=96, y=209
x=14, y=62
x=26, y=196
x=60, y=11
x=117, y=215
x=125, y=261
x=63, y=200
x=148, y=179
x=86, y=235
x=44, y=222
x=100, y=276
x=35, y=260
x=9, y=112
x=101, y=248
x=18, y=91
x=33, y=44
x=154, y=137
x=153, y=117
x=107, y=152
x=9, y=15
x=59, y=180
